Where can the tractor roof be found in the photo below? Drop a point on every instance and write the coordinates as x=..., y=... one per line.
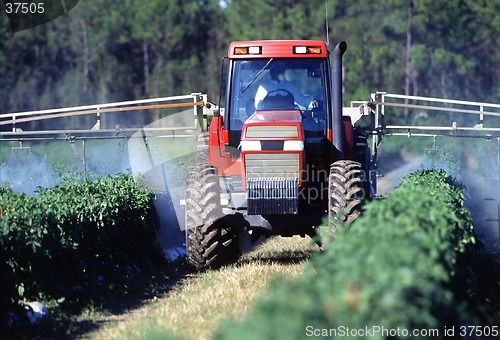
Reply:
x=278, y=49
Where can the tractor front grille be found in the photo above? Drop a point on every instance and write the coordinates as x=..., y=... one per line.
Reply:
x=272, y=165
x=266, y=196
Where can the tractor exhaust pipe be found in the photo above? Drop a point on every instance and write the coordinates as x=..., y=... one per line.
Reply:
x=337, y=122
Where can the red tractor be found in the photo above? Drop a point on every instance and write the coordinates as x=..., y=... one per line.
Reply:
x=280, y=156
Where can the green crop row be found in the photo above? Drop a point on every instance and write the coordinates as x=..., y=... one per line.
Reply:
x=395, y=269
x=62, y=243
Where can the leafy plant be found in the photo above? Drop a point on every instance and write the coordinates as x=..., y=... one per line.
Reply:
x=396, y=268
x=65, y=241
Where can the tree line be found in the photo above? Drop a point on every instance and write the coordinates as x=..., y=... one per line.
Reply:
x=103, y=51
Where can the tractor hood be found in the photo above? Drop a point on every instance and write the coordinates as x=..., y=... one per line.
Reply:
x=272, y=152
x=273, y=125
x=275, y=116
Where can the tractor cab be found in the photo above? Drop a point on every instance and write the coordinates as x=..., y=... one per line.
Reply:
x=257, y=84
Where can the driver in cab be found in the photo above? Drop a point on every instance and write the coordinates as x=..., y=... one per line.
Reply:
x=278, y=87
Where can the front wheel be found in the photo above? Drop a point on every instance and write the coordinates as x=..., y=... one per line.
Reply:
x=210, y=240
x=345, y=193
x=361, y=154
x=202, y=148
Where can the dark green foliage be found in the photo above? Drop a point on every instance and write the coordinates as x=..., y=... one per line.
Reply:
x=105, y=51
x=66, y=241
x=395, y=267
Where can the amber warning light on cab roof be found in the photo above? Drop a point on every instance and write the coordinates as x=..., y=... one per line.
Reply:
x=248, y=50
x=306, y=50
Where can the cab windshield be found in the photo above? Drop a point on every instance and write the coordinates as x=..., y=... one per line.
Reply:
x=277, y=84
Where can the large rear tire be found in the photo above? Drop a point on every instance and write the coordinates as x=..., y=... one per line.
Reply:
x=346, y=193
x=210, y=241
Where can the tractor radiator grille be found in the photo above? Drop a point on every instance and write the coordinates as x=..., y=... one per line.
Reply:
x=272, y=196
x=265, y=165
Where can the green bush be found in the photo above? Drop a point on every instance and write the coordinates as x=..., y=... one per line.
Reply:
x=64, y=241
x=395, y=268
